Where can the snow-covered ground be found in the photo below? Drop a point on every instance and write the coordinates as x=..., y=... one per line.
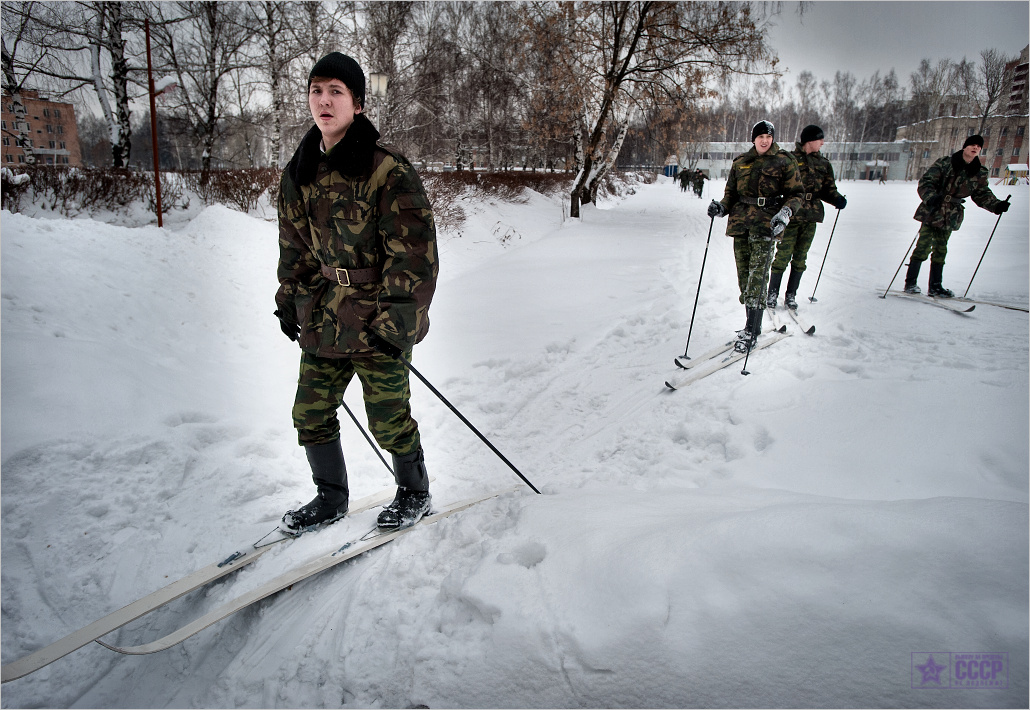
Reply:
x=801, y=537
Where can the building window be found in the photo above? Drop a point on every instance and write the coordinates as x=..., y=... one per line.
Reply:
x=60, y=129
x=1015, y=151
x=50, y=160
x=53, y=145
x=7, y=141
x=1004, y=130
x=995, y=172
x=64, y=159
x=49, y=128
x=926, y=154
x=21, y=158
x=57, y=113
x=63, y=146
x=46, y=112
x=1001, y=151
x=1020, y=130
x=971, y=132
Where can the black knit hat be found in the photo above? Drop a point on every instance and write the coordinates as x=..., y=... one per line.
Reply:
x=339, y=66
x=811, y=133
x=761, y=128
x=974, y=140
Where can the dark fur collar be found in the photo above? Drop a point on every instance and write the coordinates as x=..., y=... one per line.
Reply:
x=352, y=156
x=958, y=164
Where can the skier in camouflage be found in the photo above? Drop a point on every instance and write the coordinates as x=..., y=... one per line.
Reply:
x=943, y=189
x=816, y=175
x=357, y=272
x=763, y=191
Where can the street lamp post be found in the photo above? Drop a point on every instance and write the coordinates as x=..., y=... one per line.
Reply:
x=167, y=85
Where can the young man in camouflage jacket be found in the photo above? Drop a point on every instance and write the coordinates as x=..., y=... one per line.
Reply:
x=816, y=175
x=943, y=189
x=357, y=271
x=763, y=191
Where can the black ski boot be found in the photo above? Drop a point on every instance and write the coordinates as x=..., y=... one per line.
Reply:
x=774, y=289
x=412, y=500
x=329, y=473
x=793, y=282
x=912, y=276
x=936, y=289
x=746, y=341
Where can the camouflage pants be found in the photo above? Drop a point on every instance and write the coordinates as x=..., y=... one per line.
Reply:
x=932, y=239
x=384, y=384
x=753, y=253
x=793, y=248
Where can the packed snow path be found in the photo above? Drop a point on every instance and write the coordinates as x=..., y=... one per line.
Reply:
x=792, y=538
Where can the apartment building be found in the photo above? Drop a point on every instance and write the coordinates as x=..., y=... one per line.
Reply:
x=49, y=127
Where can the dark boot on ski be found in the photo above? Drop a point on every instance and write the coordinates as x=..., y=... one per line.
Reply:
x=412, y=500
x=936, y=290
x=329, y=473
x=912, y=276
x=793, y=282
x=746, y=340
x=774, y=289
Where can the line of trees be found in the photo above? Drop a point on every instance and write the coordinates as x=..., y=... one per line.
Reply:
x=849, y=110
x=553, y=85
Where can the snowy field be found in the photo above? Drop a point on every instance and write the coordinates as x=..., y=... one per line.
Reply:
x=801, y=537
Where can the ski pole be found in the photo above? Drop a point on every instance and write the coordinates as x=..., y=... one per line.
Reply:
x=985, y=250
x=703, y=260
x=812, y=298
x=467, y=423
x=765, y=275
x=367, y=437
x=901, y=264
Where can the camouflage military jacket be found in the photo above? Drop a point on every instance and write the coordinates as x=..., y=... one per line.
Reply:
x=816, y=175
x=944, y=187
x=361, y=206
x=773, y=176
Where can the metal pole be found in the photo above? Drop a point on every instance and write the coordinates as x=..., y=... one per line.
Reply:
x=367, y=437
x=153, y=125
x=812, y=298
x=901, y=264
x=703, y=260
x=467, y=423
x=985, y=250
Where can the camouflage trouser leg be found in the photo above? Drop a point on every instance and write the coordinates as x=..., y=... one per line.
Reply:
x=793, y=248
x=752, y=254
x=384, y=383
x=932, y=239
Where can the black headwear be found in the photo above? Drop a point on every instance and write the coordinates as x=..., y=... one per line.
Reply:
x=974, y=140
x=811, y=133
x=761, y=128
x=339, y=66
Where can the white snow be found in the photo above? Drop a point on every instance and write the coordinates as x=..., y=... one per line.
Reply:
x=789, y=538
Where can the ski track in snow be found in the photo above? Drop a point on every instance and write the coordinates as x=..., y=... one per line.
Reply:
x=786, y=538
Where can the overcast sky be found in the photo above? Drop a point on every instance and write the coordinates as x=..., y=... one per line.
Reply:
x=861, y=37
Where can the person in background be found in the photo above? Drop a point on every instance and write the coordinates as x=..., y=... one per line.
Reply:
x=357, y=272
x=763, y=191
x=816, y=175
x=942, y=190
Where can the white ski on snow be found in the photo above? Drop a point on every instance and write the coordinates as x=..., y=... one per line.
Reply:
x=945, y=303
x=722, y=360
x=312, y=567
x=141, y=607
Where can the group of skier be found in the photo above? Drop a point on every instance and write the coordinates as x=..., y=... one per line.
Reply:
x=358, y=267
x=695, y=178
x=773, y=199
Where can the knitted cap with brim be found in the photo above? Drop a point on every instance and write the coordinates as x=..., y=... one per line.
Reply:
x=339, y=66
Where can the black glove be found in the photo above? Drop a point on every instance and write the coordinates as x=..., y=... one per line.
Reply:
x=381, y=346
x=842, y=202
x=290, y=329
x=934, y=202
x=1003, y=207
x=716, y=209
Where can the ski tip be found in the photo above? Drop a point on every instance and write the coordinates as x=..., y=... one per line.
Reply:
x=782, y=329
x=810, y=331
x=670, y=386
x=969, y=310
x=680, y=364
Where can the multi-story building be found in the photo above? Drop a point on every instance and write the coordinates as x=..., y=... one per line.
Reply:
x=1016, y=95
x=49, y=127
x=851, y=161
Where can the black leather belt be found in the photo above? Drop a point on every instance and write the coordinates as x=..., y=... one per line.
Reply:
x=349, y=277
